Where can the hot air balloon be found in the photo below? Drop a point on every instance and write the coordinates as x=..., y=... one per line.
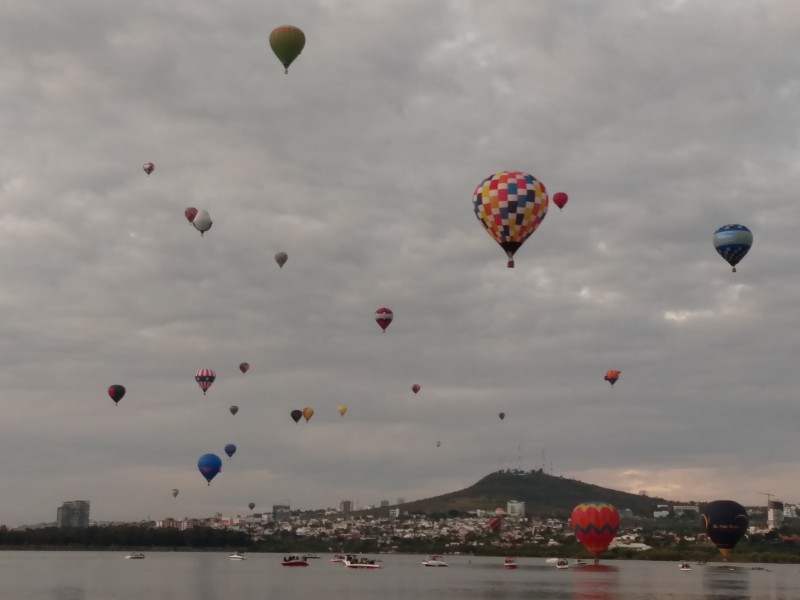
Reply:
x=204, y=378
x=209, y=465
x=510, y=205
x=297, y=415
x=438, y=444
x=733, y=242
x=281, y=258
x=384, y=316
x=611, y=376
x=495, y=523
x=725, y=522
x=560, y=199
x=202, y=221
x=116, y=392
x=287, y=42
x=308, y=413
x=595, y=524
x=234, y=409
x=342, y=409
x=244, y=367
x=230, y=449
x=502, y=415
x=415, y=388
x=175, y=492
x=251, y=506
x=190, y=212
x=148, y=168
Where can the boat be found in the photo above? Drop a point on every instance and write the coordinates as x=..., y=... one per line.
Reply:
x=138, y=555
x=338, y=558
x=562, y=563
x=360, y=562
x=685, y=566
x=510, y=562
x=434, y=560
x=294, y=561
x=580, y=562
x=237, y=556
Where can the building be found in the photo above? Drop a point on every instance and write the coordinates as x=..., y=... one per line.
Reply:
x=384, y=503
x=774, y=514
x=515, y=508
x=401, y=500
x=281, y=512
x=74, y=513
x=347, y=506
x=684, y=508
x=394, y=512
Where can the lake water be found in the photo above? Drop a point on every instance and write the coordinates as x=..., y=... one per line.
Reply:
x=212, y=576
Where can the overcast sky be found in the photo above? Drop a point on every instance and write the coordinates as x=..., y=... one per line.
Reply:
x=662, y=120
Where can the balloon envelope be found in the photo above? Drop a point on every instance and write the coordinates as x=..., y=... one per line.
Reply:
x=234, y=409
x=725, y=522
x=612, y=375
x=308, y=413
x=148, y=168
x=342, y=409
x=502, y=415
x=297, y=415
x=116, y=392
x=175, y=493
x=287, y=42
x=281, y=258
x=384, y=316
x=510, y=205
x=209, y=465
x=202, y=221
x=230, y=449
x=595, y=524
x=415, y=388
x=205, y=378
x=244, y=367
x=560, y=199
x=190, y=212
x=251, y=506
x=495, y=523
x=732, y=242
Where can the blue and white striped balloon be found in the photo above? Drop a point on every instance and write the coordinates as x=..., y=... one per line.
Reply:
x=732, y=242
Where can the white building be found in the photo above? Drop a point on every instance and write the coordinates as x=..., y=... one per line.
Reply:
x=774, y=514
x=515, y=508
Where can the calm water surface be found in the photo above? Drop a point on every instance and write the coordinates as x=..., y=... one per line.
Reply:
x=211, y=576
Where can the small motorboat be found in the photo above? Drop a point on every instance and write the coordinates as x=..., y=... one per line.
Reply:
x=338, y=558
x=135, y=555
x=685, y=566
x=580, y=562
x=294, y=561
x=434, y=560
x=562, y=563
x=237, y=556
x=360, y=562
x=510, y=562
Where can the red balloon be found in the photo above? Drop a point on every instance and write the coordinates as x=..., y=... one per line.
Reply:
x=190, y=213
x=502, y=415
x=384, y=317
x=244, y=367
x=415, y=388
x=612, y=375
x=560, y=199
x=148, y=168
x=595, y=524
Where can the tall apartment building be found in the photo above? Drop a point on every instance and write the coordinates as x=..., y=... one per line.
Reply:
x=774, y=514
x=281, y=512
x=74, y=513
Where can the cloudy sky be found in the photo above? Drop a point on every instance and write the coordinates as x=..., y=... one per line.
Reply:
x=662, y=119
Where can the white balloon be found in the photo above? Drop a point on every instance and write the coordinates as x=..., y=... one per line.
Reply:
x=202, y=221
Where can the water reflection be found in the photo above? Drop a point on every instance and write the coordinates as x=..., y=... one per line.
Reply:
x=596, y=582
x=726, y=583
x=68, y=593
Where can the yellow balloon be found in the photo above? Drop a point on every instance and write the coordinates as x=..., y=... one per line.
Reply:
x=308, y=413
x=342, y=409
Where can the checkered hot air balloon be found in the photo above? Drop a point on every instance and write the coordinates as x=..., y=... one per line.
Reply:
x=733, y=242
x=384, y=316
x=204, y=378
x=148, y=168
x=595, y=525
x=510, y=205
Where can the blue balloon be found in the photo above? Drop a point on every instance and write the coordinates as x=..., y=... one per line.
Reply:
x=209, y=465
x=733, y=242
x=230, y=449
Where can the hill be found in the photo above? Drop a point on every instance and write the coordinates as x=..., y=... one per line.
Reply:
x=544, y=495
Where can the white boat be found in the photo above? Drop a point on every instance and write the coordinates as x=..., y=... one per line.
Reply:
x=685, y=566
x=355, y=562
x=434, y=560
x=338, y=558
x=562, y=563
x=237, y=556
x=135, y=555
